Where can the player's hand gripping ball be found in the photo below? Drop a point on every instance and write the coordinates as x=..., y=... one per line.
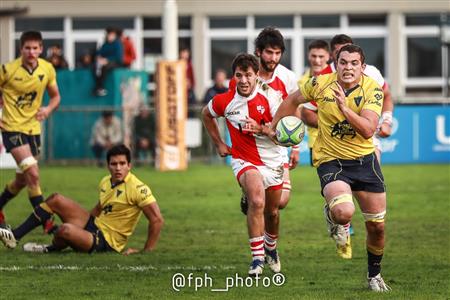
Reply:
x=290, y=131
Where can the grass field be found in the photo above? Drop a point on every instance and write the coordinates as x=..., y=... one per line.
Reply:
x=205, y=233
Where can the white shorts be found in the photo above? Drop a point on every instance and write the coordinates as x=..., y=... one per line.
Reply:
x=272, y=177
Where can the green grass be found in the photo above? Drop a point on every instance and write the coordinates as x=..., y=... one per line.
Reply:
x=206, y=233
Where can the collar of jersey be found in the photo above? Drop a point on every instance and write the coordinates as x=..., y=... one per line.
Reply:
x=120, y=182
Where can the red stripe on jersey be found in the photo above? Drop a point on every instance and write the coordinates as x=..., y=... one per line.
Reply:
x=279, y=85
x=327, y=70
x=220, y=102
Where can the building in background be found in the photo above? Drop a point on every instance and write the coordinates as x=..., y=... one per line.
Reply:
x=401, y=38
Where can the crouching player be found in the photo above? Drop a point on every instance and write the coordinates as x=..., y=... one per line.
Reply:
x=257, y=162
x=122, y=198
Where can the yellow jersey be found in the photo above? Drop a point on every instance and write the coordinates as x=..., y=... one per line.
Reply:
x=22, y=93
x=121, y=206
x=337, y=138
x=312, y=131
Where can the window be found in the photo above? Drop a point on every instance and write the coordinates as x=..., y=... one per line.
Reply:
x=374, y=51
x=367, y=20
x=223, y=53
x=102, y=23
x=422, y=19
x=320, y=21
x=275, y=21
x=155, y=23
x=40, y=24
x=424, y=57
x=227, y=22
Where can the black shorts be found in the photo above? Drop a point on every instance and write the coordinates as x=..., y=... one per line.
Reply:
x=363, y=174
x=100, y=244
x=12, y=139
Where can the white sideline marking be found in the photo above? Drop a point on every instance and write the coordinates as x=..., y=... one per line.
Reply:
x=138, y=268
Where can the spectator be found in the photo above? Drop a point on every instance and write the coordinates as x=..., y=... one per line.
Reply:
x=129, y=52
x=85, y=61
x=56, y=58
x=106, y=133
x=144, y=133
x=219, y=86
x=109, y=56
x=185, y=54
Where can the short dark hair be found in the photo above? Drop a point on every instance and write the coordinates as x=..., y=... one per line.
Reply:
x=30, y=36
x=319, y=44
x=340, y=39
x=269, y=37
x=107, y=113
x=351, y=49
x=244, y=61
x=118, y=150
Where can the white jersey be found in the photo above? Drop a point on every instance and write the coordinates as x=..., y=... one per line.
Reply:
x=283, y=80
x=261, y=106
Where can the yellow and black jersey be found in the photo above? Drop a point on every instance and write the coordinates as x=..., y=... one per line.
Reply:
x=337, y=138
x=121, y=206
x=22, y=93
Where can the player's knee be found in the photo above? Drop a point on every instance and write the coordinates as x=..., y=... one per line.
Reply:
x=342, y=208
x=32, y=176
x=375, y=229
x=53, y=199
x=64, y=231
x=256, y=203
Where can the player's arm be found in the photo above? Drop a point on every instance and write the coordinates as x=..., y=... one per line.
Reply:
x=289, y=107
x=155, y=223
x=53, y=103
x=385, y=128
x=213, y=130
x=365, y=123
x=96, y=210
x=309, y=117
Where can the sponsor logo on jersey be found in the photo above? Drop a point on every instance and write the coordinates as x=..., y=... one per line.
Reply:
x=342, y=129
x=107, y=209
x=118, y=192
x=232, y=113
x=41, y=76
x=357, y=100
x=18, y=79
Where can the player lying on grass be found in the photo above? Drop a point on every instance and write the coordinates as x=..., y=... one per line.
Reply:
x=122, y=198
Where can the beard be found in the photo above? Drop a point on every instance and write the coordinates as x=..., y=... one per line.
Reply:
x=266, y=67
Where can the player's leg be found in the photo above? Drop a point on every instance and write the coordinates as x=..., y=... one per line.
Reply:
x=252, y=183
x=11, y=190
x=68, y=210
x=373, y=207
x=286, y=191
x=339, y=207
x=272, y=223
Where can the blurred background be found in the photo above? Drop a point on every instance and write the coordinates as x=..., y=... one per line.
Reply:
x=406, y=40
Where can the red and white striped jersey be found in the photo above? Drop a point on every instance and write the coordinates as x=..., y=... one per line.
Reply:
x=261, y=106
x=370, y=71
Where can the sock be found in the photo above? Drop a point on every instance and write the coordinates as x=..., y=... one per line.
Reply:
x=374, y=262
x=347, y=228
x=40, y=214
x=8, y=193
x=35, y=196
x=257, y=247
x=270, y=241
